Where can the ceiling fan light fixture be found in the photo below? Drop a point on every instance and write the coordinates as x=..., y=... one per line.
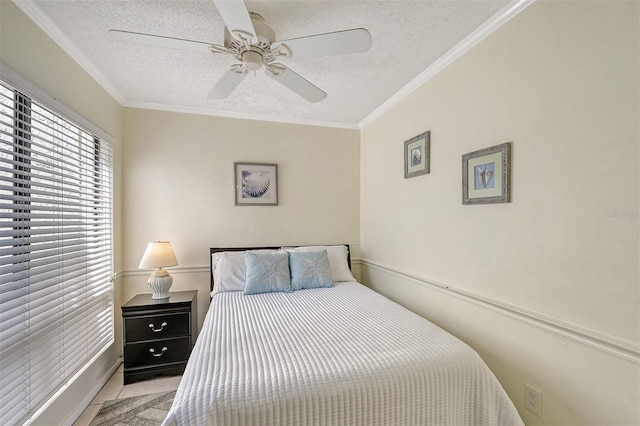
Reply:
x=251, y=41
x=252, y=60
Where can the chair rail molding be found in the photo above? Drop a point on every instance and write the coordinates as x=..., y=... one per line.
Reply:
x=612, y=345
x=179, y=270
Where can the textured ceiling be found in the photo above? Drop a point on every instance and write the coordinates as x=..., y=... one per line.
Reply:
x=408, y=37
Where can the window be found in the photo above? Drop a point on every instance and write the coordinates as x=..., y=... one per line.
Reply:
x=56, y=298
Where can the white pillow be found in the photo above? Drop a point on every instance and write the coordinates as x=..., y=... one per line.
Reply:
x=337, y=256
x=229, y=270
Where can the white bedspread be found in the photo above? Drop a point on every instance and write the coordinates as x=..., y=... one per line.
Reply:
x=332, y=356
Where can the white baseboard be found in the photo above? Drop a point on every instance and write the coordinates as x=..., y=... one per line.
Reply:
x=77, y=412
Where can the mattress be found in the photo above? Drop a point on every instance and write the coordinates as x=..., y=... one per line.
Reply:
x=332, y=356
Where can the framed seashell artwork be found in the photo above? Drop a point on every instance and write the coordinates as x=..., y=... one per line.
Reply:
x=417, y=155
x=486, y=175
x=256, y=184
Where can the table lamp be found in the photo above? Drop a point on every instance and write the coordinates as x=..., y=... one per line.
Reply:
x=157, y=255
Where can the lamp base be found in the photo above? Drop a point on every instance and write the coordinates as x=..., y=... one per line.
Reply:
x=160, y=283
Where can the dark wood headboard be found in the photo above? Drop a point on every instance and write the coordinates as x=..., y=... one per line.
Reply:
x=219, y=249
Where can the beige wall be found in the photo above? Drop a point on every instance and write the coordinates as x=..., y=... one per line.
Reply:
x=524, y=279
x=31, y=53
x=179, y=176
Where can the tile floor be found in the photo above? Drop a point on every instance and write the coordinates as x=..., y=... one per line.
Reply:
x=114, y=389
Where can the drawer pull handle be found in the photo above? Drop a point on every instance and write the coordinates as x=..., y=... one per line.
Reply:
x=164, y=348
x=156, y=330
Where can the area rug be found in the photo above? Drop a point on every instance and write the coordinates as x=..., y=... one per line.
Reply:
x=143, y=410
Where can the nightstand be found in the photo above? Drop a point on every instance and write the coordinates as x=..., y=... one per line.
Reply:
x=158, y=335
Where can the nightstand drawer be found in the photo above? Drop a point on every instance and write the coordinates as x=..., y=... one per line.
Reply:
x=158, y=334
x=156, y=327
x=157, y=352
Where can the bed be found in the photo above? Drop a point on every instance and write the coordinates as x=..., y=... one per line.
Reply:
x=326, y=355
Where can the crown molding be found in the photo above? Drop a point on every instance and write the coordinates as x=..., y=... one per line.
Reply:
x=237, y=115
x=482, y=32
x=41, y=20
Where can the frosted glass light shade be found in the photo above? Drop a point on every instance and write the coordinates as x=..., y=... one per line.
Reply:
x=157, y=255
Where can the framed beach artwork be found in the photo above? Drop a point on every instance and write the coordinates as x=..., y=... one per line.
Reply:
x=486, y=175
x=417, y=155
x=256, y=184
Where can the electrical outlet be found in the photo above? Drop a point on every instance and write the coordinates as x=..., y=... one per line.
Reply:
x=533, y=400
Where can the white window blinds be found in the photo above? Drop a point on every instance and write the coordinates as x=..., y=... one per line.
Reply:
x=56, y=299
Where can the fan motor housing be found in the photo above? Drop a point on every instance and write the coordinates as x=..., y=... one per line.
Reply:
x=265, y=35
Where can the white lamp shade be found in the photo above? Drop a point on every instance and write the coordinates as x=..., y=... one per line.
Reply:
x=157, y=255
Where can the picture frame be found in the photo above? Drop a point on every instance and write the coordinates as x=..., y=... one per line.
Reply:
x=486, y=175
x=417, y=155
x=256, y=184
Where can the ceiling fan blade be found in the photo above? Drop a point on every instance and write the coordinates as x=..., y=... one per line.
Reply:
x=236, y=18
x=169, y=42
x=226, y=85
x=295, y=82
x=337, y=43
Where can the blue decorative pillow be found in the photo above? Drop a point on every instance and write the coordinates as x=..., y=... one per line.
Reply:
x=310, y=269
x=267, y=272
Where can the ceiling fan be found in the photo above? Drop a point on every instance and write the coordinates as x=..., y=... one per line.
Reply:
x=253, y=44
